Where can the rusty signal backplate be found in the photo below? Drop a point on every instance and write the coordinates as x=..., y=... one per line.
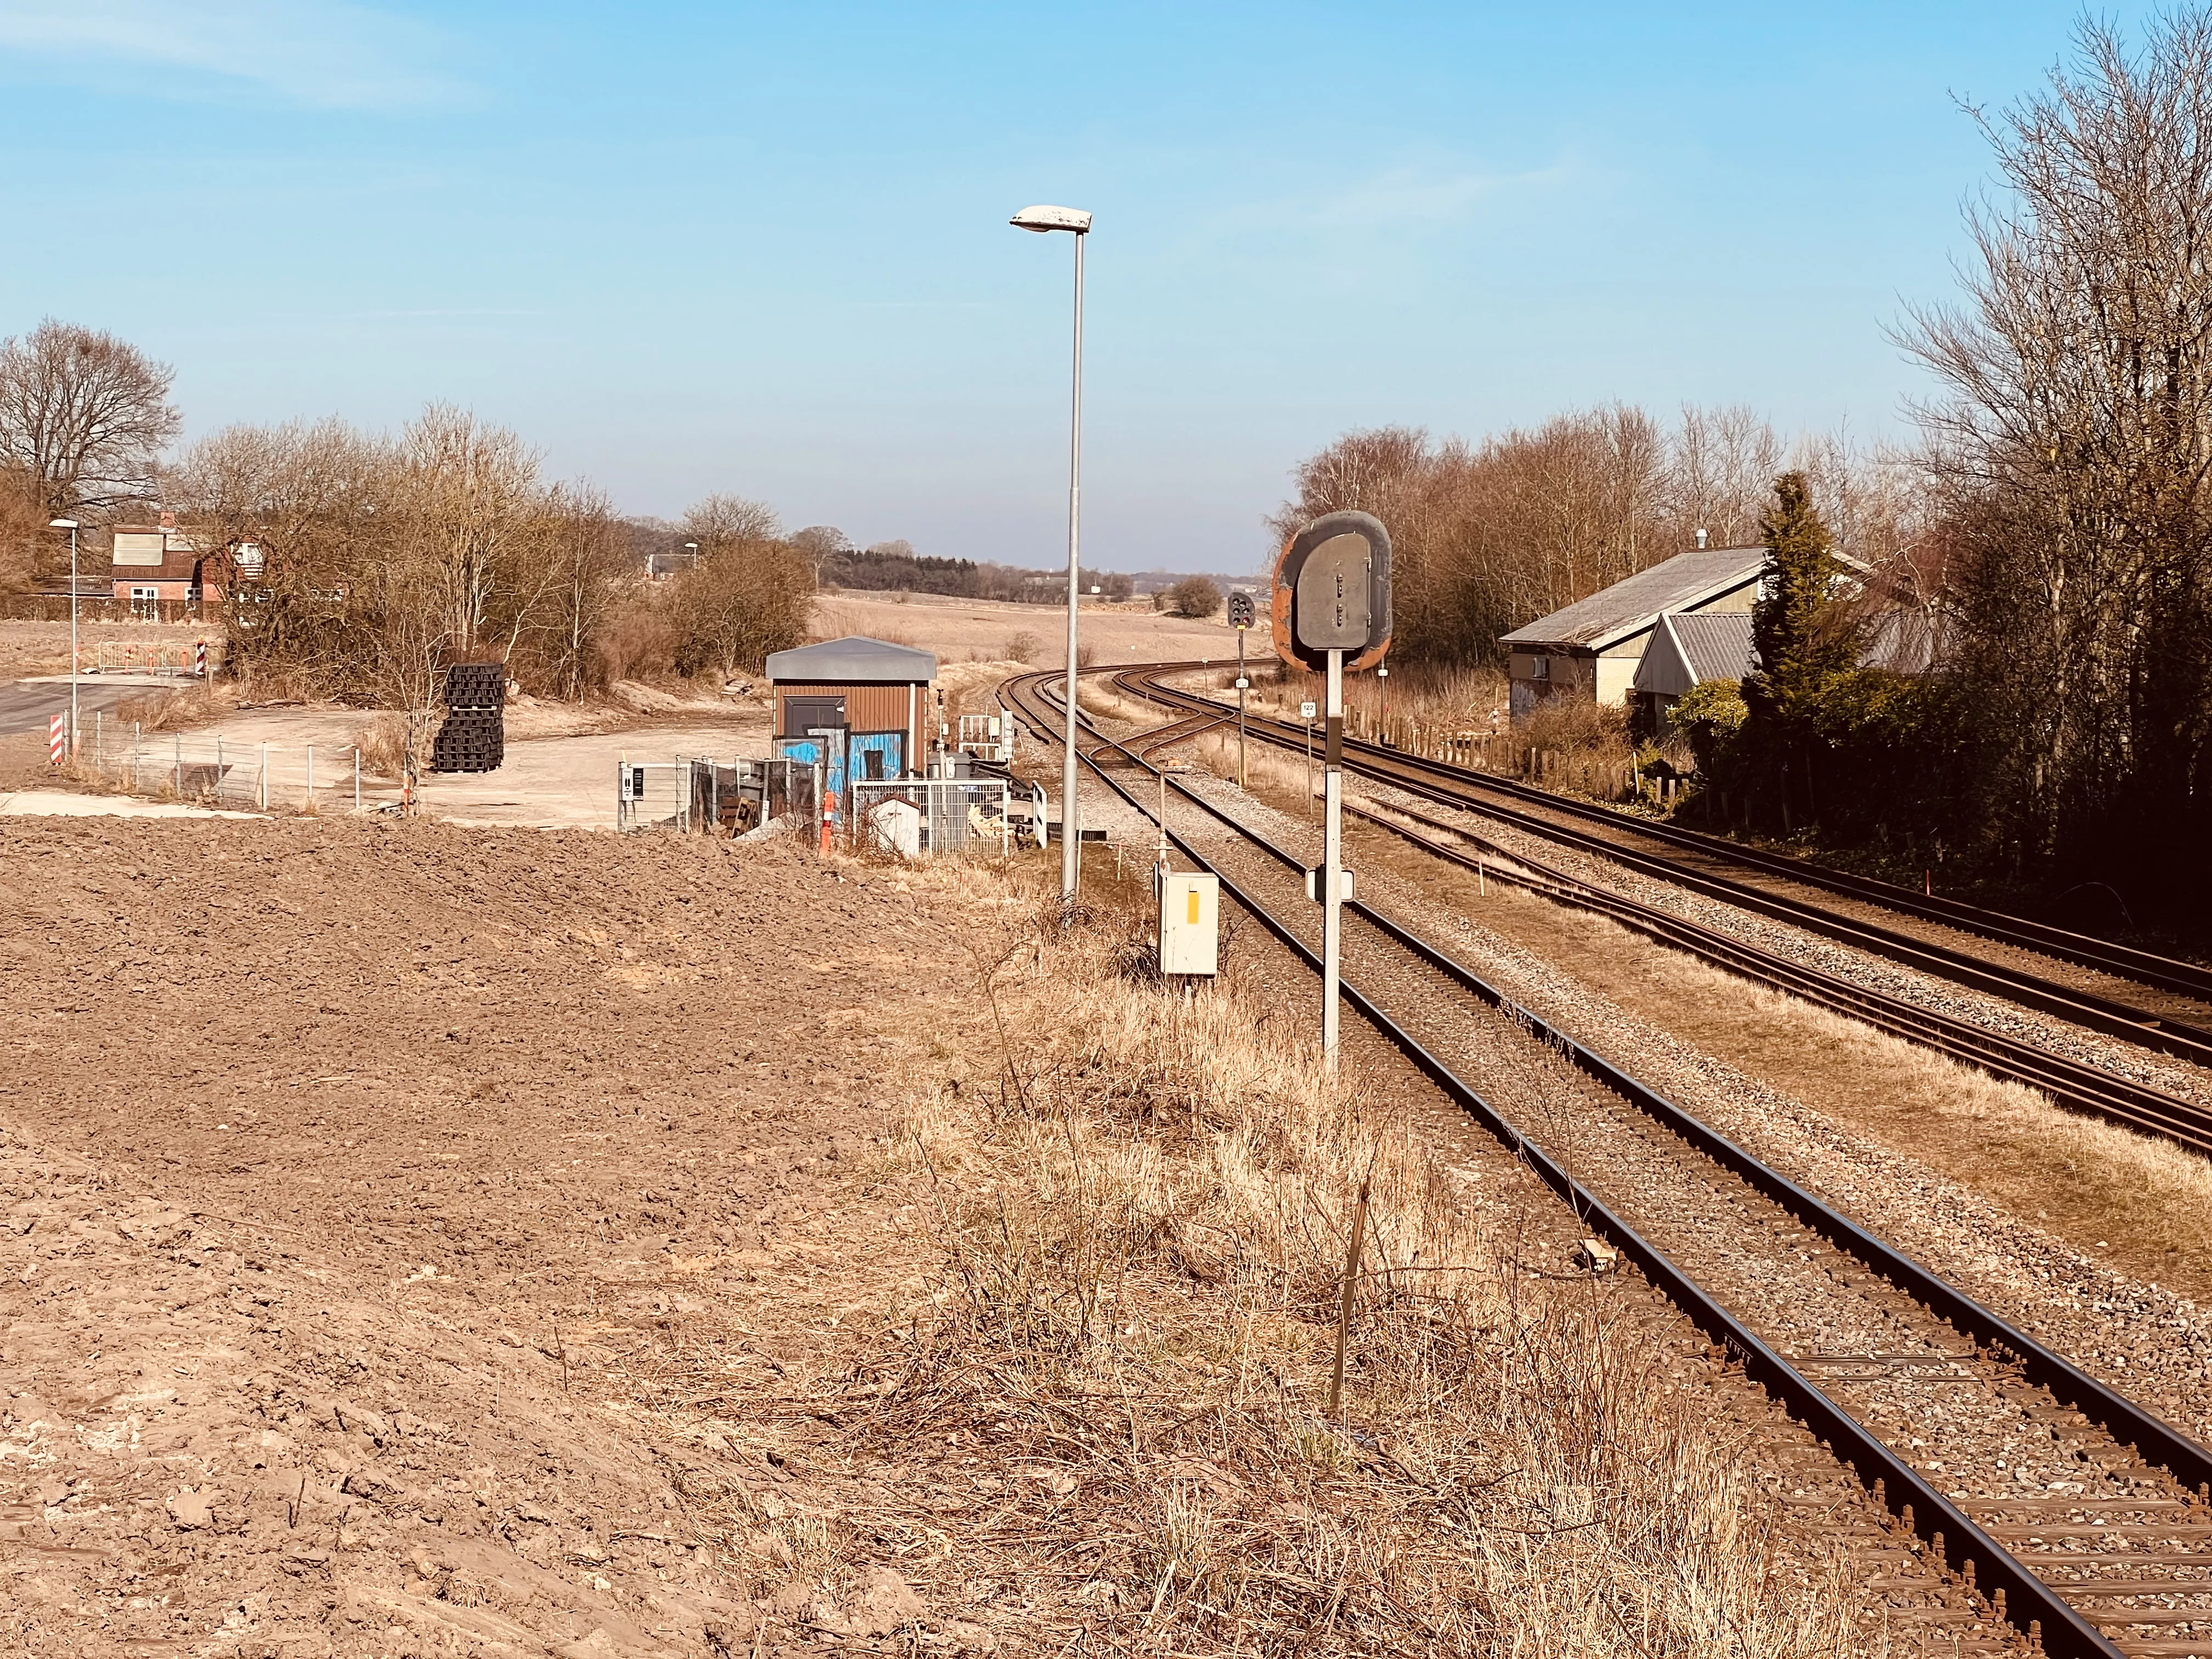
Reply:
x=1282, y=597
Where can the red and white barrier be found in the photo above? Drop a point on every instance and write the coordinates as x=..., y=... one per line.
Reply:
x=56, y=729
x=199, y=659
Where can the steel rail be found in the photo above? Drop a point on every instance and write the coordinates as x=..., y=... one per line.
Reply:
x=2027, y=1600
x=1446, y=784
x=2076, y=1086
x=2072, y=1084
x=2121, y=961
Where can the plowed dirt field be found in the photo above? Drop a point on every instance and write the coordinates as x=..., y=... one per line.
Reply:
x=419, y=1241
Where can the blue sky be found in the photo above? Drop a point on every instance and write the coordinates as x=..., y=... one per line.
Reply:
x=685, y=248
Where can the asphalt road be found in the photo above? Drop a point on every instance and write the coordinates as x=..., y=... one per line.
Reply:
x=27, y=705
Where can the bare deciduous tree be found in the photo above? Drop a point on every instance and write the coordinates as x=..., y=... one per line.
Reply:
x=2074, y=442
x=726, y=520
x=86, y=414
x=1487, y=537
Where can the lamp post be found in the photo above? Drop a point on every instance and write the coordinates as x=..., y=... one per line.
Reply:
x=1078, y=223
x=70, y=525
x=692, y=547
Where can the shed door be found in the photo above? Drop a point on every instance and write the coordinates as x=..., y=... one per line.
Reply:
x=804, y=714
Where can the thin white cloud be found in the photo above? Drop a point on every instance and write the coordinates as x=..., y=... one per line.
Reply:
x=1418, y=198
x=304, y=52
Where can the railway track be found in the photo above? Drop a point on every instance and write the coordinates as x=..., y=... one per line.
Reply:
x=2079, y=1516
x=2160, y=1003
x=2092, y=1090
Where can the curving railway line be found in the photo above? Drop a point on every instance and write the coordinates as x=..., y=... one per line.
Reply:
x=2144, y=1008
x=2155, y=1001
x=2078, y=1515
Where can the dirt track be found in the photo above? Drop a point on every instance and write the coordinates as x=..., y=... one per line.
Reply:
x=396, y=1254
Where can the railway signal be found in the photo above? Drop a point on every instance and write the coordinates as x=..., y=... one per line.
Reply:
x=1332, y=595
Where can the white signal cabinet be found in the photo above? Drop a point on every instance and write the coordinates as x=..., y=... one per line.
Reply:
x=1190, y=923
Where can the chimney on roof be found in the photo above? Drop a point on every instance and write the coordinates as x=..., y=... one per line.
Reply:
x=169, y=521
x=1701, y=537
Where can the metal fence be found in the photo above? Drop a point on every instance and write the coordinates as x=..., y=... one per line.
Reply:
x=162, y=660
x=918, y=816
x=246, y=776
x=696, y=794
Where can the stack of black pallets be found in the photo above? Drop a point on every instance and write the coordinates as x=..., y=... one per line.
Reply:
x=474, y=737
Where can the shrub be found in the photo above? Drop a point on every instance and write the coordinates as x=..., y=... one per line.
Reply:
x=1194, y=597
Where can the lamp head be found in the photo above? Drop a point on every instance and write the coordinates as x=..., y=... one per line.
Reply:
x=61, y=524
x=1042, y=219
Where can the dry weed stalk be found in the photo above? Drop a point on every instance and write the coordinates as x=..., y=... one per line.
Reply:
x=1143, y=1241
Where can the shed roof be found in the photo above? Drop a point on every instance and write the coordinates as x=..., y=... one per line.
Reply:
x=1687, y=646
x=1628, y=607
x=854, y=661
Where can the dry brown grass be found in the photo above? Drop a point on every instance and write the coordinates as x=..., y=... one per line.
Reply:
x=384, y=743
x=182, y=710
x=1142, y=1199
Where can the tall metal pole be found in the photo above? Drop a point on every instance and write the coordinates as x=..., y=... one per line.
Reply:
x=1242, y=782
x=1070, y=818
x=1332, y=858
x=73, y=742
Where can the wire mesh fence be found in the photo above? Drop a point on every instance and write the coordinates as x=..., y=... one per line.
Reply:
x=696, y=794
x=261, y=777
x=918, y=816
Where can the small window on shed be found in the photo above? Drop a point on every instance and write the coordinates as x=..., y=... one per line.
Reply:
x=804, y=714
x=1540, y=668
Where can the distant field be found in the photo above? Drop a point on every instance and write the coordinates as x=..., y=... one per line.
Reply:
x=43, y=647
x=976, y=631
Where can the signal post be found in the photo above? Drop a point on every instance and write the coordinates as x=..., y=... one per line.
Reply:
x=1332, y=597
x=1241, y=617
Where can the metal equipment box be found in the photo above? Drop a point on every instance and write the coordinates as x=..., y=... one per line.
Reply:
x=1190, y=923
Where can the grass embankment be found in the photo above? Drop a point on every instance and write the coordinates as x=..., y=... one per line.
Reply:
x=1143, y=1199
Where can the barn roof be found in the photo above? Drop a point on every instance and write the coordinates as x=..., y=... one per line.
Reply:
x=1687, y=646
x=1633, y=605
x=855, y=660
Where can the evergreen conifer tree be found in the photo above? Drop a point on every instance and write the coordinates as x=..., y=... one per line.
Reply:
x=1801, y=641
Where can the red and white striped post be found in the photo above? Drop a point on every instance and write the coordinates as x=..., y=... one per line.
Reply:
x=199, y=659
x=55, y=730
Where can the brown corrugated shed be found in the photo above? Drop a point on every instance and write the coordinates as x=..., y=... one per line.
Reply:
x=884, y=688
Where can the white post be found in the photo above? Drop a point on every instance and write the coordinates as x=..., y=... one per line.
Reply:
x=356, y=780
x=1332, y=841
x=218, y=769
x=1243, y=780
x=311, y=775
x=1309, y=751
x=264, y=777
x=73, y=660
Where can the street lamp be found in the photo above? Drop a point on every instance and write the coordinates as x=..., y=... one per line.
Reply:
x=70, y=525
x=1076, y=221
x=692, y=547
